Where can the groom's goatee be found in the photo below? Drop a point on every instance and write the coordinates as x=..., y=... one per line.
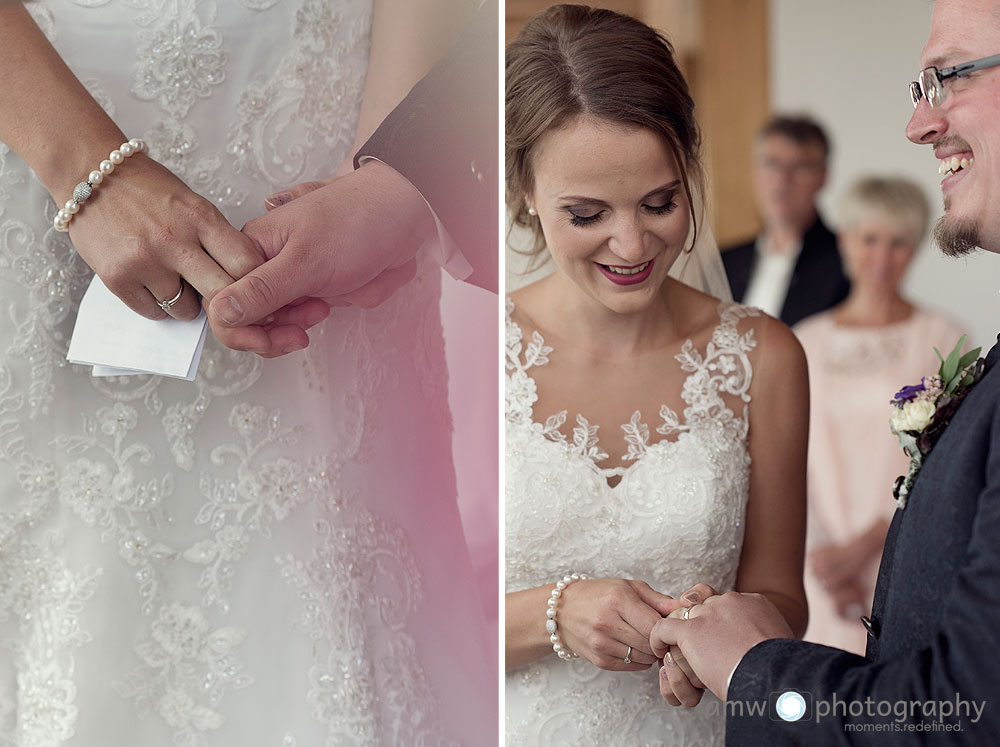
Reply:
x=956, y=238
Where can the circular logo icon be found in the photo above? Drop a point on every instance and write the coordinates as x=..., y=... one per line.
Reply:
x=791, y=706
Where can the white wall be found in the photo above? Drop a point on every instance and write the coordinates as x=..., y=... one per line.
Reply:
x=848, y=63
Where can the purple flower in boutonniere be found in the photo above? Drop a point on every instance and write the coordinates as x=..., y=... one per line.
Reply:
x=922, y=411
x=910, y=392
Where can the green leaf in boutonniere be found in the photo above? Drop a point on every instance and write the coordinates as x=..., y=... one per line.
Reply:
x=954, y=371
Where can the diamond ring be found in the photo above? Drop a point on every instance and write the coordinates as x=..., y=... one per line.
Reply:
x=166, y=305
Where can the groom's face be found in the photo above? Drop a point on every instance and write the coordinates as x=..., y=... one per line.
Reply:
x=966, y=125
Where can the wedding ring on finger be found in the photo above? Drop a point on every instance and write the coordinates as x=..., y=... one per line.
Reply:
x=628, y=656
x=167, y=305
x=686, y=614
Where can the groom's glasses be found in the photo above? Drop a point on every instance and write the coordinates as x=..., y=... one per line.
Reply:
x=930, y=83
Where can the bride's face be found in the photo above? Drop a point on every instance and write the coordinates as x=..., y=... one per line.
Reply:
x=613, y=209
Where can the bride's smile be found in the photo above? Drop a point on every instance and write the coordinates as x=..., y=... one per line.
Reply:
x=628, y=275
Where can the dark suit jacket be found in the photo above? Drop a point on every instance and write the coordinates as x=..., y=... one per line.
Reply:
x=817, y=283
x=935, y=629
x=443, y=138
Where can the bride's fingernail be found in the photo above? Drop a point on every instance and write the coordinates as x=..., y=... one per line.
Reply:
x=668, y=660
x=278, y=199
x=693, y=596
x=663, y=673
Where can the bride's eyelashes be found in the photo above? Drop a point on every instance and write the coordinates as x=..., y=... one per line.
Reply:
x=579, y=217
x=661, y=209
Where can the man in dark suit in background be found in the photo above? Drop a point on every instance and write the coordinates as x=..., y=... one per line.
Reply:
x=930, y=674
x=792, y=269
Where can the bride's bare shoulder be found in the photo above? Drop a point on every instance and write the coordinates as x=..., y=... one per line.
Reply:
x=699, y=311
x=778, y=353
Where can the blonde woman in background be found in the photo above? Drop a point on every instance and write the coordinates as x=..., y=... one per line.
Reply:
x=860, y=353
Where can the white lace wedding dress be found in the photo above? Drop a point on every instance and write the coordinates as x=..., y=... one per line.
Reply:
x=674, y=519
x=272, y=554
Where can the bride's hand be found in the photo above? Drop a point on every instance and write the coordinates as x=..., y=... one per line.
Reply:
x=144, y=233
x=600, y=618
x=679, y=685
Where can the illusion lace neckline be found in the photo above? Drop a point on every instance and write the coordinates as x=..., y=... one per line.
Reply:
x=717, y=368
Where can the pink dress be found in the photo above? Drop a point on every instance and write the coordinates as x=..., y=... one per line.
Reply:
x=853, y=457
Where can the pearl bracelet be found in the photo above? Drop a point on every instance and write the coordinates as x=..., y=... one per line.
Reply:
x=550, y=614
x=83, y=190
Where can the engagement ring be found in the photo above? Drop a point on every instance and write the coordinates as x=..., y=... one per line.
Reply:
x=165, y=305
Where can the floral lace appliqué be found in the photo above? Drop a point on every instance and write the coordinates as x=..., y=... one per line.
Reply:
x=107, y=494
x=55, y=277
x=307, y=91
x=38, y=579
x=261, y=494
x=369, y=568
x=724, y=369
x=182, y=657
x=180, y=62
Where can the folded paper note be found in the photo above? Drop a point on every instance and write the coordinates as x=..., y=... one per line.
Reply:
x=118, y=342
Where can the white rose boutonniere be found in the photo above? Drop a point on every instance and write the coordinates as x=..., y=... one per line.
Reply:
x=915, y=415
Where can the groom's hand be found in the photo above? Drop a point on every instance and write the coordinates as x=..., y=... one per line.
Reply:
x=718, y=633
x=679, y=684
x=348, y=241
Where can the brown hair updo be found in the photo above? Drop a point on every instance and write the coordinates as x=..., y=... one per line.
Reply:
x=572, y=60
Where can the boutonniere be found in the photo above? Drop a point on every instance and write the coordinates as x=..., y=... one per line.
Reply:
x=921, y=412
